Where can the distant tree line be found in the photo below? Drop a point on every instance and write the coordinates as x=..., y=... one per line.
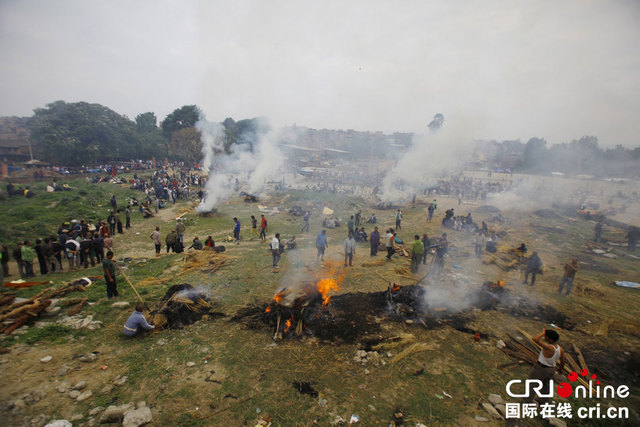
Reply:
x=83, y=133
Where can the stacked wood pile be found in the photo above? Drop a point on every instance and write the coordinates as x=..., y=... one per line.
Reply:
x=14, y=315
x=204, y=262
x=507, y=259
x=528, y=351
x=182, y=305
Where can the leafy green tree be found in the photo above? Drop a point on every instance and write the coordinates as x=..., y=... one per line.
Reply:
x=186, y=145
x=181, y=118
x=535, y=154
x=146, y=122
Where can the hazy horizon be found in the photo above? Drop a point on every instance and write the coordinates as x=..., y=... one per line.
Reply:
x=496, y=70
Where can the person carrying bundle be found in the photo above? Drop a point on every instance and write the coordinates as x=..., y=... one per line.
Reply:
x=136, y=322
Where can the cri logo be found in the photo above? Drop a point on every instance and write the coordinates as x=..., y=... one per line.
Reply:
x=565, y=389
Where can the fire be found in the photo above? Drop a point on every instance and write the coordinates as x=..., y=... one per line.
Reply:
x=287, y=324
x=396, y=287
x=324, y=287
x=268, y=309
x=277, y=297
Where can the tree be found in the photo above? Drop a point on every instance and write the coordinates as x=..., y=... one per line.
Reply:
x=181, y=118
x=146, y=122
x=535, y=154
x=186, y=145
x=82, y=133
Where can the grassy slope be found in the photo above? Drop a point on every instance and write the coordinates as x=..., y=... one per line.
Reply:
x=247, y=363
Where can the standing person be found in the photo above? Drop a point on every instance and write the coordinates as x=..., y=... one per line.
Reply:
x=570, y=270
x=114, y=204
x=263, y=228
x=321, y=245
x=417, y=251
x=479, y=243
x=17, y=255
x=180, y=230
x=155, y=236
x=58, y=250
x=136, y=322
x=98, y=247
x=374, y=241
x=5, y=260
x=305, y=227
x=119, y=222
x=109, y=269
x=358, y=217
x=350, y=225
x=111, y=220
x=399, y=220
x=107, y=243
x=441, y=251
x=533, y=267
x=550, y=354
x=275, y=251
x=85, y=247
x=72, y=247
x=349, y=248
x=27, y=258
x=236, y=230
x=156, y=204
x=598, y=231
x=388, y=243
x=430, y=210
x=426, y=242
x=127, y=216
x=170, y=240
x=42, y=260
x=254, y=226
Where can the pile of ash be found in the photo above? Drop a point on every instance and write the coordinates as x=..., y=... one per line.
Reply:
x=181, y=306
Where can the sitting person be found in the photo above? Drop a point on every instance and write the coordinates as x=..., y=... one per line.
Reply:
x=372, y=219
x=136, y=322
x=292, y=244
x=197, y=244
x=522, y=248
x=209, y=243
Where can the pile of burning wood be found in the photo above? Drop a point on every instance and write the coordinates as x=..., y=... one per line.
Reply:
x=16, y=314
x=181, y=306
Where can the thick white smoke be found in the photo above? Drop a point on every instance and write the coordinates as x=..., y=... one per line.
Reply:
x=255, y=166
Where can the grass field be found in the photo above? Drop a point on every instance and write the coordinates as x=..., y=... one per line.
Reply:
x=242, y=376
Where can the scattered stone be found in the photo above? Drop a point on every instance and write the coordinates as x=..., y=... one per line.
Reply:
x=64, y=370
x=59, y=423
x=137, y=417
x=40, y=325
x=366, y=371
x=106, y=389
x=191, y=364
x=79, y=322
x=121, y=304
x=496, y=399
x=46, y=359
x=63, y=387
x=77, y=417
x=74, y=394
x=91, y=422
x=114, y=413
x=502, y=408
x=491, y=410
x=84, y=395
x=96, y=410
x=51, y=311
x=500, y=344
x=205, y=350
x=555, y=422
x=89, y=357
x=482, y=419
x=80, y=385
x=161, y=342
x=372, y=408
x=120, y=380
x=322, y=402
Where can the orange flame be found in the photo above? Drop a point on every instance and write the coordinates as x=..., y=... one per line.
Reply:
x=324, y=287
x=278, y=297
x=396, y=287
x=268, y=309
x=287, y=324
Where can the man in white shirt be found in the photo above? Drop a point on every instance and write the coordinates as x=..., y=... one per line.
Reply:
x=388, y=242
x=349, y=249
x=275, y=250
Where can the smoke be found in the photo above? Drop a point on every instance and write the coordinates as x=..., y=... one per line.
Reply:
x=251, y=162
x=428, y=157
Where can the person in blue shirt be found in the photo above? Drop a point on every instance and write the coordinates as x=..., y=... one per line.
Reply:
x=236, y=230
x=136, y=322
x=321, y=244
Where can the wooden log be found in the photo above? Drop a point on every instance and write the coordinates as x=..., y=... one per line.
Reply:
x=15, y=325
x=20, y=304
x=21, y=309
x=583, y=363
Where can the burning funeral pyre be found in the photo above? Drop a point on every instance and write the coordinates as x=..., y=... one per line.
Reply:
x=181, y=306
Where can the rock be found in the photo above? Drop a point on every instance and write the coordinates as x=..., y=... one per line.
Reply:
x=95, y=411
x=496, y=399
x=372, y=408
x=64, y=370
x=501, y=407
x=89, y=357
x=500, y=344
x=191, y=364
x=51, y=311
x=59, y=423
x=114, y=413
x=121, y=304
x=555, y=422
x=161, y=342
x=74, y=394
x=106, y=389
x=481, y=419
x=46, y=359
x=77, y=417
x=491, y=410
x=120, y=380
x=80, y=385
x=91, y=422
x=137, y=417
x=84, y=395
x=322, y=402
x=63, y=387
x=409, y=322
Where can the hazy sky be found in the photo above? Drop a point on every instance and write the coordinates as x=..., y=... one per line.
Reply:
x=497, y=69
